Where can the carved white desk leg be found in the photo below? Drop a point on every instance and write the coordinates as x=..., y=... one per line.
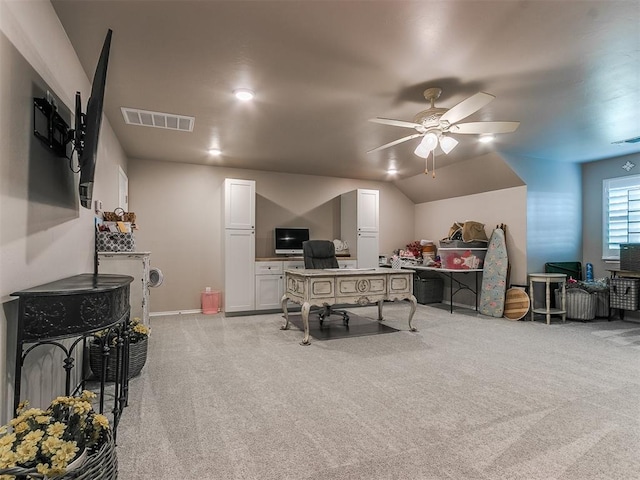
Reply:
x=305, y=321
x=380, y=310
x=414, y=305
x=283, y=302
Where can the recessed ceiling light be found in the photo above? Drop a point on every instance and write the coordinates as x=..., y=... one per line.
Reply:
x=215, y=151
x=392, y=171
x=243, y=94
x=486, y=138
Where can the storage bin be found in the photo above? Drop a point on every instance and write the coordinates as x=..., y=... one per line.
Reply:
x=428, y=290
x=210, y=303
x=462, y=258
x=623, y=293
x=630, y=257
x=580, y=304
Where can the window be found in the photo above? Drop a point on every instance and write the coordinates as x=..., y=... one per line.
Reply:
x=621, y=218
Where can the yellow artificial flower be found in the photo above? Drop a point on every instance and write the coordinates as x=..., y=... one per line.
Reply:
x=44, y=469
x=22, y=406
x=42, y=419
x=65, y=454
x=101, y=420
x=87, y=395
x=33, y=412
x=8, y=459
x=56, y=429
x=21, y=427
x=26, y=452
x=7, y=439
x=81, y=407
x=51, y=445
x=4, y=429
x=143, y=329
x=7, y=477
x=34, y=436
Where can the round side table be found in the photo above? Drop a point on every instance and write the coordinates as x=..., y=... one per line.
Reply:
x=548, y=279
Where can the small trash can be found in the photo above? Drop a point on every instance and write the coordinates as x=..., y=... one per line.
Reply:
x=210, y=302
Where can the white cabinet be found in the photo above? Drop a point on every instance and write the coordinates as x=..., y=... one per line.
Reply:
x=239, y=204
x=239, y=245
x=269, y=285
x=359, y=225
x=135, y=264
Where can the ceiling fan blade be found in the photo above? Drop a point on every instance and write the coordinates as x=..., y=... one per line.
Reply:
x=396, y=142
x=484, y=127
x=395, y=123
x=467, y=107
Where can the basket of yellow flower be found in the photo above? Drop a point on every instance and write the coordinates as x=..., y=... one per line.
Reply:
x=138, y=343
x=68, y=440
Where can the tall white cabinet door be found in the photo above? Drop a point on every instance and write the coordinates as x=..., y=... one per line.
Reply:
x=239, y=270
x=368, y=211
x=239, y=203
x=367, y=249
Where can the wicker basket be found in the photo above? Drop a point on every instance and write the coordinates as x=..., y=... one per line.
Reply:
x=137, y=359
x=100, y=465
x=580, y=304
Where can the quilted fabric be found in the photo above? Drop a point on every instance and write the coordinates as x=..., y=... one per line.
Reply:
x=494, y=276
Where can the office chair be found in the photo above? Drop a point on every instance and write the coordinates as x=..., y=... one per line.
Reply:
x=322, y=254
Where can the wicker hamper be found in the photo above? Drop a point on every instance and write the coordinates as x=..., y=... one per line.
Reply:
x=100, y=465
x=580, y=304
x=137, y=359
x=623, y=293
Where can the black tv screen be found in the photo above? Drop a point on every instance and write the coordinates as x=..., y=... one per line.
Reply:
x=93, y=119
x=288, y=241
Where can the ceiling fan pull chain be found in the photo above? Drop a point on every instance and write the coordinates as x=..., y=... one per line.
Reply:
x=433, y=171
x=426, y=165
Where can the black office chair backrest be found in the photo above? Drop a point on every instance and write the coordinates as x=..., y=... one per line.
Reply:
x=319, y=254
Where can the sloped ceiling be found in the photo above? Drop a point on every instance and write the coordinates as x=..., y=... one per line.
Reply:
x=567, y=70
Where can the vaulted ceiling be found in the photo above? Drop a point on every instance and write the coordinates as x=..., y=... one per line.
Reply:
x=569, y=71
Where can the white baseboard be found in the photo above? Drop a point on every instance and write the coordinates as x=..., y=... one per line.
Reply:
x=175, y=312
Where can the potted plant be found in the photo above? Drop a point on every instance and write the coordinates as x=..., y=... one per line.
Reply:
x=50, y=443
x=138, y=342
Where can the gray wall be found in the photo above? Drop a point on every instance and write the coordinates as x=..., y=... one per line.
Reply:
x=45, y=235
x=179, y=212
x=554, y=210
x=592, y=228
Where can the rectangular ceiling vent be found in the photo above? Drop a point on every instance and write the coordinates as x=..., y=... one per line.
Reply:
x=145, y=118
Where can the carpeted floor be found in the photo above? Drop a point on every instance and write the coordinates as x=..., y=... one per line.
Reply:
x=465, y=397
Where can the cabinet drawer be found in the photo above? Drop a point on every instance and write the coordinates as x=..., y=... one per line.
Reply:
x=293, y=265
x=266, y=268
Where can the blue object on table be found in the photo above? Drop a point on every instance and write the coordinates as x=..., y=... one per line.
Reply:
x=589, y=272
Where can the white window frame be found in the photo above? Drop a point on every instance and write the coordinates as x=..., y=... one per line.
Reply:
x=614, y=189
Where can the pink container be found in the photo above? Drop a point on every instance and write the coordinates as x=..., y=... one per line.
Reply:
x=210, y=302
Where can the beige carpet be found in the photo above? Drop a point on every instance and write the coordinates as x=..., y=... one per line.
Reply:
x=466, y=397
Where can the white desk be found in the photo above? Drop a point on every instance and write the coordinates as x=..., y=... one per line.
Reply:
x=346, y=286
x=449, y=273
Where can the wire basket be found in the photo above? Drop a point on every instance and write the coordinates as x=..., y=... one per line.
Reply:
x=137, y=359
x=99, y=465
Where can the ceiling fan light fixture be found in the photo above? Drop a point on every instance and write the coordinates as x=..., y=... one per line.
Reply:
x=447, y=144
x=487, y=138
x=244, y=94
x=215, y=151
x=427, y=145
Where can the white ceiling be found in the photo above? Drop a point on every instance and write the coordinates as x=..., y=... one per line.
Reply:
x=569, y=71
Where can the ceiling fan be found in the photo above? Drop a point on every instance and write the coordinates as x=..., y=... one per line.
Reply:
x=436, y=124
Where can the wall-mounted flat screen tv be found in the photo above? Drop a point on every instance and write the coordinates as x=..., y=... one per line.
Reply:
x=288, y=240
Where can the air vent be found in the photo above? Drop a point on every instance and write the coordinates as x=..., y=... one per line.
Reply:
x=628, y=140
x=145, y=118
